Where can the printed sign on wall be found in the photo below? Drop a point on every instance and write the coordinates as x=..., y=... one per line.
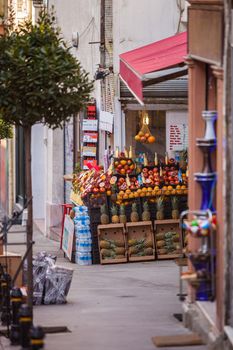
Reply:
x=90, y=125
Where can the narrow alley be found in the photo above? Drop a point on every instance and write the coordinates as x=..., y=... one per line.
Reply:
x=111, y=307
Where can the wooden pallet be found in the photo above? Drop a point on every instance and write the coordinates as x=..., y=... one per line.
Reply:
x=112, y=232
x=140, y=230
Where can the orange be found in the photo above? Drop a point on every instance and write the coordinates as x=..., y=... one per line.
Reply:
x=151, y=139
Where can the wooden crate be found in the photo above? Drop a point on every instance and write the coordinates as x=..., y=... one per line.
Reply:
x=138, y=231
x=13, y=261
x=163, y=227
x=112, y=233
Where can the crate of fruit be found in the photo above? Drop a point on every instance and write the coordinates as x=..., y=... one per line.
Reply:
x=112, y=243
x=168, y=239
x=140, y=241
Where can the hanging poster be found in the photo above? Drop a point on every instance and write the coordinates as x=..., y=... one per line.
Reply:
x=91, y=137
x=68, y=236
x=90, y=125
x=89, y=151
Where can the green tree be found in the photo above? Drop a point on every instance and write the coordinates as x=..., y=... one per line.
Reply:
x=5, y=130
x=40, y=82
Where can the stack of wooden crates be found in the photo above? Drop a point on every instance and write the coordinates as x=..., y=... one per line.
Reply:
x=140, y=241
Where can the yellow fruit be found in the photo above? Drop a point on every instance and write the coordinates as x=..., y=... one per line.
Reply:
x=121, y=193
x=131, y=195
x=144, y=189
x=164, y=188
x=153, y=193
x=137, y=138
x=156, y=188
x=135, y=194
x=170, y=188
x=139, y=190
x=141, y=133
x=128, y=191
x=142, y=194
x=183, y=187
x=149, y=189
x=125, y=196
x=178, y=187
x=167, y=193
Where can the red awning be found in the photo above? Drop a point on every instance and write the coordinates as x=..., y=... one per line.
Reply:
x=153, y=63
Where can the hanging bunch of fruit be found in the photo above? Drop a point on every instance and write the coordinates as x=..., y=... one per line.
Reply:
x=144, y=135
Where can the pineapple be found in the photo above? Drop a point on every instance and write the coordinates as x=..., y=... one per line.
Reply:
x=175, y=208
x=148, y=251
x=146, y=213
x=104, y=244
x=149, y=244
x=120, y=251
x=104, y=218
x=134, y=214
x=122, y=214
x=132, y=242
x=115, y=216
x=160, y=208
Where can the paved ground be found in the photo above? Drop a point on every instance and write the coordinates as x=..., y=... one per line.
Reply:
x=112, y=307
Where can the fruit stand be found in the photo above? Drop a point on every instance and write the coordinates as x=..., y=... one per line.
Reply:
x=137, y=203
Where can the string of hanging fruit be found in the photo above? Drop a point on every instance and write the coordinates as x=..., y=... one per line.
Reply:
x=144, y=135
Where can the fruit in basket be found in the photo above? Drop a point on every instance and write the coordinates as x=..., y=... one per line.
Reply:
x=134, y=217
x=160, y=208
x=115, y=217
x=122, y=214
x=104, y=218
x=146, y=212
x=175, y=208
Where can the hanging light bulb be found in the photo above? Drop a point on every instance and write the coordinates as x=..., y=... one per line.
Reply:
x=146, y=118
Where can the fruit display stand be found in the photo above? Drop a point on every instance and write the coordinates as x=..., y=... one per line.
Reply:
x=140, y=241
x=168, y=239
x=135, y=191
x=112, y=244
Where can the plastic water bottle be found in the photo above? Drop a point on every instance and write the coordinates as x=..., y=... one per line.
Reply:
x=83, y=245
x=83, y=259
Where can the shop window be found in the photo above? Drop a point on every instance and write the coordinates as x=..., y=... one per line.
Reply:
x=157, y=126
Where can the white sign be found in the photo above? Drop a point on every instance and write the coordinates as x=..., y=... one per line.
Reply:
x=90, y=125
x=106, y=121
x=176, y=131
x=68, y=236
x=178, y=136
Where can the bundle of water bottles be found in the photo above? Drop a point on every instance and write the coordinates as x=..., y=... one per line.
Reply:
x=83, y=236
